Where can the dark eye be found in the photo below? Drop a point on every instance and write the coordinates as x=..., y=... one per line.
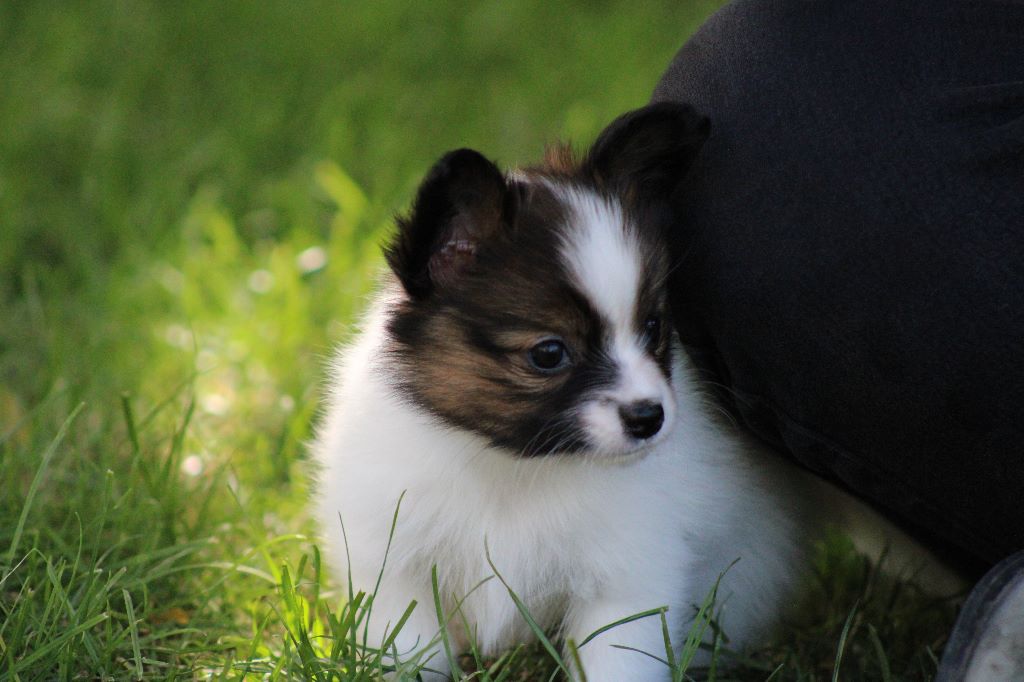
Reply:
x=550, y=355
x=652, y=330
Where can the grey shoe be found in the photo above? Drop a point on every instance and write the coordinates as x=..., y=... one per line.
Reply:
x=987, y=644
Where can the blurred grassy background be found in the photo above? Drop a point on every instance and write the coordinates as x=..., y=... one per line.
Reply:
x=128, y=126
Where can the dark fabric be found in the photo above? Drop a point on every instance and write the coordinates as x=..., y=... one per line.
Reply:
x=852, y=247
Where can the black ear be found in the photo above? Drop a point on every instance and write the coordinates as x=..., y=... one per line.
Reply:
x=462, y=202
x=649, y=150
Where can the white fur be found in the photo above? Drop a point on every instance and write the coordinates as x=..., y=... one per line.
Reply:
x=603, y=256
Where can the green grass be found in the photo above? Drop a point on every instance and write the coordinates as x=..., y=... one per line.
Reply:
x=191, y=201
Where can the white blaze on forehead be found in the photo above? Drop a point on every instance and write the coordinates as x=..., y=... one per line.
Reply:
x=605, y=260
x=603, y=257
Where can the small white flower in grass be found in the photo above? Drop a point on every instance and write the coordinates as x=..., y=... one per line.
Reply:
x=311, y=260
x=206, y=360
x=261, y=281
x=286, y=403
x=192, y=465
x=178, y=336
x=215, y=404
x=170, y=278
x=257, y=373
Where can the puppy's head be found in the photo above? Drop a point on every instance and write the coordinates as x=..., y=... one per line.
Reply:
x=534, y=307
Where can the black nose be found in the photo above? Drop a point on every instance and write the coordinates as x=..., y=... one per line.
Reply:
x=642, y=419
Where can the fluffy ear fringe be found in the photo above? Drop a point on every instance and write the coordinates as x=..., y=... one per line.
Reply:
x=459, y=203
x=649, y=150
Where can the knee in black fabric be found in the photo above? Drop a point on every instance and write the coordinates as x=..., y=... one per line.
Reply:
x=852, y=249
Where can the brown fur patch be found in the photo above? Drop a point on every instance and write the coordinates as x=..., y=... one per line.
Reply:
x=492, y=391
x=464, y=352
x=559, y=159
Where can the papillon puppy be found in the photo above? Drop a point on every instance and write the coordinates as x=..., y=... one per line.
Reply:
x=518, y=384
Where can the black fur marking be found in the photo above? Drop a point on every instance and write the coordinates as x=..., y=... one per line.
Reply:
x=462, y=202
x=643, y=154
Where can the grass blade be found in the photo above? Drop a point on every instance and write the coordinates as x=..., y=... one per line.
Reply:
x=648, y=654
x=622, y=621
x=48, y=454
x=133, y=630
x=666, y=635
x=538, y=631
x=398, y=627
x=883, y=660
x=574, y=651
x=841, y=648
x=383, y=566
x=442, y=621
x=700, y=625
x=129, y=423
